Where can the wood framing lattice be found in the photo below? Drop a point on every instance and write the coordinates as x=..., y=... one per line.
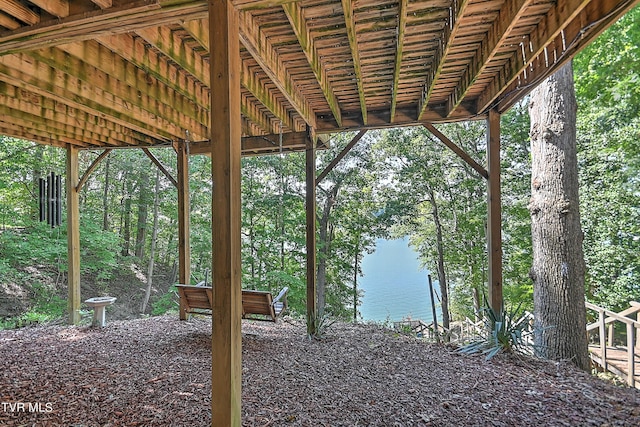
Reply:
x=117, y=73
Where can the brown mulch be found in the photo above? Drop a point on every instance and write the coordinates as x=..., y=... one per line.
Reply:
x=157, y=372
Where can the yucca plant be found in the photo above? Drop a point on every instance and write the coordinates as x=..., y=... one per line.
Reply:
x=507, y=331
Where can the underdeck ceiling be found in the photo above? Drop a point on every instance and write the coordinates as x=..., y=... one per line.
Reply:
x=111, y=73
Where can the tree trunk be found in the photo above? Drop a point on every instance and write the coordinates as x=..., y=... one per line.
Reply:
x=324, y=243
x=558, y=263
x=126, y=226
x=442, y=277
x=143, y=209
x=105, y=196
x=154, y=237
x=355, y=280
x=37, y=174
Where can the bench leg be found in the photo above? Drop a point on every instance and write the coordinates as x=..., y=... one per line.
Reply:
x=183, y=310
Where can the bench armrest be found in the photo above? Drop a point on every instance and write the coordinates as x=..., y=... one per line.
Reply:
x=282, y=295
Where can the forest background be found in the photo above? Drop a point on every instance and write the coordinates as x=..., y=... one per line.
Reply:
x=398, y=182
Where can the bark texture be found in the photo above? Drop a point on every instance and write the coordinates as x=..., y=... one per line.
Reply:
x=558, y=262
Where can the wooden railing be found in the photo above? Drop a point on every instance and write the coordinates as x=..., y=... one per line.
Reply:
x=606, y=344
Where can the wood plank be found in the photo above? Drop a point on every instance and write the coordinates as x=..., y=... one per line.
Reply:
x=160, y=166
x=559, y=51
x=262, y=50
x=457, y=150
x=73, y=235
x=19, y=11
x=57, y=8
x=26, y=73
x=310, y=209
x=349, y=19
x=38, y=109
x=157, y=66
x=547, y=29
x=199, y=30
x=91, y=168
x=340, y=156
x=89, y=25
x=110, y=88
x=296, y=17
x=402, y=25
x=103, y=4
x=510, y=13
x=91, y=55
x=226, y=133
x=494, y=213
x=444, y=48
x=8, y=22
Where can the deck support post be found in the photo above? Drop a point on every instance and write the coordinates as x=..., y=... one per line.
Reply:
x=494, y=212
x=226, y=134
x=184, y=221
x=310, y=172
x=73, y=234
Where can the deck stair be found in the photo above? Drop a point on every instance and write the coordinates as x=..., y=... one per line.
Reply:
x=614, y=351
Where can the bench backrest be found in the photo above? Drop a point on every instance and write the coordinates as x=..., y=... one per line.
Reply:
x=258, y=305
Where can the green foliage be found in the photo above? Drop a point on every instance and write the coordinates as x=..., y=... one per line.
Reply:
x=167, y=303
x=323, y=322
x=507, y=331
x=606, y=79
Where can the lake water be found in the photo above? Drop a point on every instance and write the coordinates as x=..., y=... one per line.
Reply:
x=394, y=285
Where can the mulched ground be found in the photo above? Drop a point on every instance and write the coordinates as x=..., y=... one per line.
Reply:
x=157, y=372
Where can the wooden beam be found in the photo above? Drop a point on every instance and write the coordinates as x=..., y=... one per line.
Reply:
x=444, y=47
x=402, y=25
x=91, y=168
x=559, y=51
x=26, y=73
x=88, y=59
x=135, y=97
x=459, y=151
x=296, y=17
x=494, y=220
x=560, y=15
x=160, y=166
x=340, y=156
x=350, y=23
x=73, y=235
x=159, y=67
x=262, y=50
x=57, y=8
x=264, y=143
x=259, y=4
x=509, y=15
x=19, y=11
x=184, y=214
x=199, y=30
x=103, y=4
x=37, y=123
x=310, y=209
x=89, y=25
x=226, y=133
x=23, y=105
x=8, y=22
x=46, y=138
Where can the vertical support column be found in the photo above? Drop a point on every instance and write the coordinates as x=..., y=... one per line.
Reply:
x=310, y=171
x=73, y=234
x=494, y=222
x=184, y=221
x=226, y=133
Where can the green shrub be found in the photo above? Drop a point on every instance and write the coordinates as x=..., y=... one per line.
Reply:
x=167, y=303
x=506, y=331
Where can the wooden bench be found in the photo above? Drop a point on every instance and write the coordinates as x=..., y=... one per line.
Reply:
x=256, y=305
